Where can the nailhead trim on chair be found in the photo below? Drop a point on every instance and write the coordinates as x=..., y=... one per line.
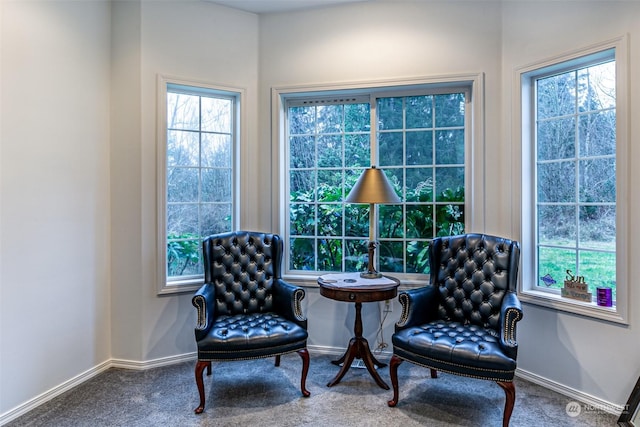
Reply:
x=456, y=372
x=511, y=318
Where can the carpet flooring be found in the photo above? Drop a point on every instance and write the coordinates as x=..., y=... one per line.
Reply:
x=256, y=393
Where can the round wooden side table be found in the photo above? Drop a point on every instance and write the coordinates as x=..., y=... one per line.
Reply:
x=358, y=290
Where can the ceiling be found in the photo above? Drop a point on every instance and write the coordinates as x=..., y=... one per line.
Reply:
x=271, y=6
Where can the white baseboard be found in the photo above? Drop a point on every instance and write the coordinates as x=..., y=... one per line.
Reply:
x=154, y=363
x=572, y=394
x=50, y=394
x=22, y=409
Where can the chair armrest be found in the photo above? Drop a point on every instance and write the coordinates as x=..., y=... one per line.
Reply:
x=203, y=301
x=419, y=306
x=287, y=301
x=510, y=314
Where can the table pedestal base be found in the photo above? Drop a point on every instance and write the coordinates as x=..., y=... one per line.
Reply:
x=358, y=349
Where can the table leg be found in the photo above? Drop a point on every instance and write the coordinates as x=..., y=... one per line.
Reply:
x=358, y=348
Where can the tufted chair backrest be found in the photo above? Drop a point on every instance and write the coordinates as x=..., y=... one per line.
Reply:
x=472, y=273
x=242, y=266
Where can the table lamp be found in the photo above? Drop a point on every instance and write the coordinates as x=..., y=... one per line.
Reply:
x=372, y=187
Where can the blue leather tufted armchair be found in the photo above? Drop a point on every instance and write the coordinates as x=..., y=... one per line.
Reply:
x=245, y=309
x=464, y=321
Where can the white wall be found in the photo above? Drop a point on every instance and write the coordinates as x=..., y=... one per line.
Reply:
x=594, y=357
x=197, y=41
x=54, y=189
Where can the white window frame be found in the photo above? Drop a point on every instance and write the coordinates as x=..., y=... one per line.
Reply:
x=190, y=285
x=474, y=152
x=524, y=186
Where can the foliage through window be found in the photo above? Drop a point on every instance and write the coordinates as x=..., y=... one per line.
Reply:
x=575, y=170
x=199, y=183
x=419, y=141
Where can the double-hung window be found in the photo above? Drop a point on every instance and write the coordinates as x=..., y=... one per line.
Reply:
x=419, y=136
x=573, y=179
x=197, y=159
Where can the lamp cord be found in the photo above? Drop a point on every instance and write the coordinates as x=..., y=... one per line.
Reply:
x=380, y=335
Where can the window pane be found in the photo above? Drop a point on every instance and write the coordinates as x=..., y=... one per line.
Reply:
x=597, y=87
x=182, y=185
x=598, y=134
x=357, y=150
x=417, y=257
x=391, y=256
x=390, y=113
x=419, y=112
x=216, y=115
x=357, y=118
x=330, y=220
x=216, y=185
x=355, y=255
x=216, y=150
x=302, y=151
x=329, y=118
x=597, y=226
x=419, y=221
x=449, y=185
x=182, y=148
x=330, y=151
x=302, y=186
x=449, y=219
x=556, y=96
x=391, y=147
x=183, y=257
x=302, y=219
x=216, y=218
x=330, y=254
x=598, y=269
x=557, y=225
x=303, y=254
x=182, y=219
x=556, y=139
x=553, y=264
x=449, y=110
x=302, y=120
x=450, y=147
x=390, y=221
x=329, y=185
x=356, y=220
x=598, y=180
x=183, y=111
x=419, y=185
x=556, y=182
x=420, y=148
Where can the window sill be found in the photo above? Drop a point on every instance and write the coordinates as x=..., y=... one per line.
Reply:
x=556, y=302
x=180, y=287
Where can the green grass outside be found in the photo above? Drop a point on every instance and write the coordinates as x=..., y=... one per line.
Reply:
x=598, y=268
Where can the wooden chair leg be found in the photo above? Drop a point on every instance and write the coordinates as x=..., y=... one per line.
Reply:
x=304, y=354
x=199, y=370
x=393, y=373
x=278, y=360
x=434, y=373
x=510, y=393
